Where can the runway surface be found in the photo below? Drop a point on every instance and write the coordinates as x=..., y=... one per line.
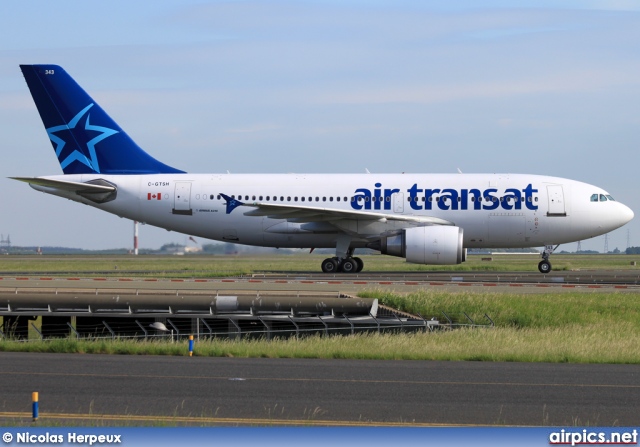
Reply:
x=232, y=391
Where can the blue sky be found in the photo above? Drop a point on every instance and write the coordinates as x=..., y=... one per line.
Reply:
x=325, y=86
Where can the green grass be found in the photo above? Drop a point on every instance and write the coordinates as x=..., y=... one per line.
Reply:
x=232, y=265
x=521, y=311
x=597, y=343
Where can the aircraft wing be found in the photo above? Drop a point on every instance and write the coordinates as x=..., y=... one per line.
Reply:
x=297, y=213
x=65, y=185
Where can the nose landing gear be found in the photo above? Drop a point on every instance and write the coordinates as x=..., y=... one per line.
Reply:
x=545, y=266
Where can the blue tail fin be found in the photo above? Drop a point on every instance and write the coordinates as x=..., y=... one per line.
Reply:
x=86, y=140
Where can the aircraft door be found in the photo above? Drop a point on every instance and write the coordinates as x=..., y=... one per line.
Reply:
x=556, y=201
x=398, y=203
x=182, y=199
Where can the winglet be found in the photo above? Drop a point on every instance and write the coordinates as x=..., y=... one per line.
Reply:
x=232, y=204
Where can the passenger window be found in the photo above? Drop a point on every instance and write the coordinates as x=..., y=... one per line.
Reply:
x=330, y=199
x=603, y=198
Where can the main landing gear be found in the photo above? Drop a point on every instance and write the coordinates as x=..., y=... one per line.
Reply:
x=348, y=264
x=545, y=266
x=344, y=265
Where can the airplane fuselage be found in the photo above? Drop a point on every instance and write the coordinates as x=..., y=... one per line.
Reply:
x=494, y=210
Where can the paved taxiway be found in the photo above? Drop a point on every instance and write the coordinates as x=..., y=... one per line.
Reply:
x=265, y=391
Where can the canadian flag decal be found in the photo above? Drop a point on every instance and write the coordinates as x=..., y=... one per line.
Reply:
x=154, y=196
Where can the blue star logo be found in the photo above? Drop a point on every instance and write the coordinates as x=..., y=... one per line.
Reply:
x=88, y=158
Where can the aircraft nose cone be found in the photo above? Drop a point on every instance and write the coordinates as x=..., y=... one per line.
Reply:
x=626, y=214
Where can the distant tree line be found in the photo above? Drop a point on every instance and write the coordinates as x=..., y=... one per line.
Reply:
x=633, y=251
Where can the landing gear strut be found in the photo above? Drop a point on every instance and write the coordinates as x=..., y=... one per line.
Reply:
x=545, y=266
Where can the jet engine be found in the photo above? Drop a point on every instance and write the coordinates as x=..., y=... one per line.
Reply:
x=435, y=244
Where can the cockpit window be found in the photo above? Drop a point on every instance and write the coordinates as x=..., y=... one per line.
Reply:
x=603, y=198
x=594, y=197
x=610, y=198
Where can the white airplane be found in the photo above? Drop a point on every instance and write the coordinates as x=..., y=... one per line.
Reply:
x=424, y=218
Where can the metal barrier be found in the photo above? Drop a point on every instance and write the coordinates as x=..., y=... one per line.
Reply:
x=131, y=313
x=241, y=328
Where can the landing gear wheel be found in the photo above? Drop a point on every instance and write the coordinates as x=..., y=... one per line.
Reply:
x=359, y=264
x=329, y=265
x=544, y=266
x=349, y=265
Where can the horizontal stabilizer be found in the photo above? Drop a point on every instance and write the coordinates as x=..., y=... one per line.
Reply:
x=97, y=191
x=66, y=185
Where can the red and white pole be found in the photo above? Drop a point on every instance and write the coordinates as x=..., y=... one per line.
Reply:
x=135, y=237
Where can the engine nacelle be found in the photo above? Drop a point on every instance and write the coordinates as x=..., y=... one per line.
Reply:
x=435, y=244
